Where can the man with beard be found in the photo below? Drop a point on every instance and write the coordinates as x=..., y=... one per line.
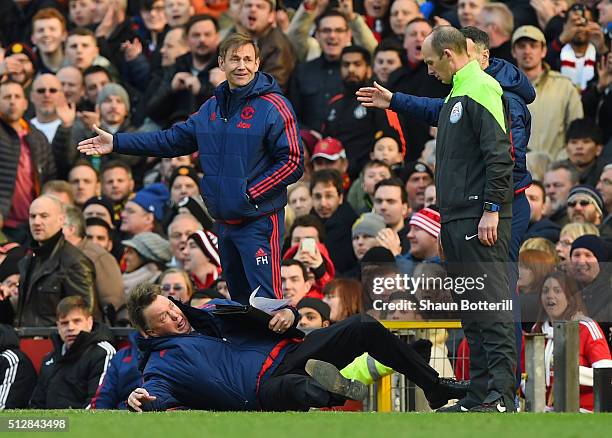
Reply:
x=558, y=181
x=348, y=121
x=187, y=85
x=18, y=65
x=584, y=204
x=54, y=118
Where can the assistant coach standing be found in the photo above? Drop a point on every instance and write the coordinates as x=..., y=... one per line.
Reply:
x=250, y=151
x=474, y=186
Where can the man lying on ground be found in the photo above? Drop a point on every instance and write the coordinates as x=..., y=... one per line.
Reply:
x=199, y=359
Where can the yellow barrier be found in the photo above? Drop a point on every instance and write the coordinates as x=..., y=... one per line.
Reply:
x=408, y=325
x=384, y=385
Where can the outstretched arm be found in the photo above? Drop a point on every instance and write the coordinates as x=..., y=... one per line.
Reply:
x=176, y=141
x=425, y=109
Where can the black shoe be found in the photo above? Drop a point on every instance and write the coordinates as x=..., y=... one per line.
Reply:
x=456, y=408
x=329, y=377
x=497, y=406
x=447, y=389
x=423, y=348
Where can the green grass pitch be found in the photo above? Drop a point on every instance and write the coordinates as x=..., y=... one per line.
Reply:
x=179, y=424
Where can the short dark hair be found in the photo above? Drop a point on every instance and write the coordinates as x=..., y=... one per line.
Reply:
x=236, y=40
x=393, y=182
x=83, y=31
x=389, y=45
x=329, y=13
x=358, y=49
x=479, y=37
x=113, y=164
x=98, y=222
x=147, y=5
x=327, y=176
x=584, y=129
x=447, y=37
x=294, y=262
x=70, y=303
x=140, y=298
x=201, y=17
x=96, y=69
x=308, y=220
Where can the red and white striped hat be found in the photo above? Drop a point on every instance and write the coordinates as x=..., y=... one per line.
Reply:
x=209, y=245
x=427, y=219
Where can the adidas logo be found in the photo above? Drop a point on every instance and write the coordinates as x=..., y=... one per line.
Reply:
x=261, y=253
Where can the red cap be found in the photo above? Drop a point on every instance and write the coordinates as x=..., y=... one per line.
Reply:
x=329, y=148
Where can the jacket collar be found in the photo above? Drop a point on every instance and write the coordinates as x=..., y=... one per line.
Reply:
x=46, y=248
x=466, y=73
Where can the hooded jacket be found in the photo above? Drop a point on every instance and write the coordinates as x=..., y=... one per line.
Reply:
x=519, y=93
x=219, y=366
x=121, y=378
x=250, y=150
x=70, y=380
x=16, y=371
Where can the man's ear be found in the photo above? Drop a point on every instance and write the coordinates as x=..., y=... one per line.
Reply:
x=90, y=322
x=598, y=149
x=325, y=324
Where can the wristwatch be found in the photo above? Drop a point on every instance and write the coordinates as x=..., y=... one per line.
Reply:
x=492, y=207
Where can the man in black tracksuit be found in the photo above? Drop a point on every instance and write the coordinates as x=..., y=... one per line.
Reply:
x=16, y=370
x=70, y=375
x=474, y=186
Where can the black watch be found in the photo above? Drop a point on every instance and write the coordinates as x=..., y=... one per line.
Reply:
x=492, y=207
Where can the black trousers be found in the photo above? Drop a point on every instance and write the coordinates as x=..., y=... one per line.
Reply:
x=290, y=388
x=490, y=334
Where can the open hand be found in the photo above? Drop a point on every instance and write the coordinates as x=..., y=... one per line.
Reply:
x=374, y=97
x=101, y=144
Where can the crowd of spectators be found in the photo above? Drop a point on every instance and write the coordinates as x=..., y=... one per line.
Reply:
x=79, y=232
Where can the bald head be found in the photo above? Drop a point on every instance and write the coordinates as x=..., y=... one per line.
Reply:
x=46, y=90
x=447, y=38
x=445, y=52
x=46, y=217
x=71, y=79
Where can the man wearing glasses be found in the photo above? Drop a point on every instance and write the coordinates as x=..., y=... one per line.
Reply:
x=585, y=205
x=316, y=82
x=54, y=118
x=23, y=149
